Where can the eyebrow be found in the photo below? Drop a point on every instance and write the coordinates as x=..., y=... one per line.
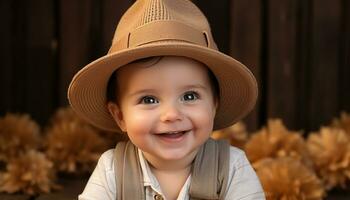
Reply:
x=192, y=86
x=142, y=91
x=197, y=86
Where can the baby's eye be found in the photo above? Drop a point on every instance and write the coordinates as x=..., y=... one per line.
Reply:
x=190, y=96
x=148, y=100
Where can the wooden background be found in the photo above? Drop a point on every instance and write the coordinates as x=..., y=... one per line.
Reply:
x=299, y=51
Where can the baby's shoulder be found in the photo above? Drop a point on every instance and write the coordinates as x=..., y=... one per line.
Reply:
x=238, y=158
x=106, y=160
x=243, y=182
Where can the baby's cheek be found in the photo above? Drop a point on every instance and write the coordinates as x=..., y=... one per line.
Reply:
x=203, y=119
x=138, y=122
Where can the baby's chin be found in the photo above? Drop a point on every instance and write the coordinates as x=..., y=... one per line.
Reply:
x=171, y=157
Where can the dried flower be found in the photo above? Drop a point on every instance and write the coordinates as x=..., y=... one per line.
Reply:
x=73, y=147
x=66, y=115
x=288, y=179
x=330, y=152
x=276, y=141
x=18, y=134
x=343, y=123
x=31, y=173
x=236, y=134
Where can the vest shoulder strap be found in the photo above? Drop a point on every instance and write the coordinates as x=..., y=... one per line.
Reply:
x=209, y=172
x=128, y=173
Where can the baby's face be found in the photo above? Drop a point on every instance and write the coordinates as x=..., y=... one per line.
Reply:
x=167, y=109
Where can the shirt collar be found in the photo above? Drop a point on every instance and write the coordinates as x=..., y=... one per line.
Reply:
x=148, y=177
x=150, y=180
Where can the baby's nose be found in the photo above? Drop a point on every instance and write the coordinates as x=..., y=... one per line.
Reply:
x=171, y=113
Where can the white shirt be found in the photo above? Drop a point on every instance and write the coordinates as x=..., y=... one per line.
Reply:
x=243, y=183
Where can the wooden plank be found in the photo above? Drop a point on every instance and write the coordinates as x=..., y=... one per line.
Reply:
x=245, y=45
x=344, y=85
x=74, y=41
x=95, y=35
x=338, y=194
x=72, y=187
x=6, y=73
x=303, y=63
x=281, y=82
x=19, y=65
x=40, y=59
x=112, y=11
x=4, y=196
x=323, y=104
x=218, y=17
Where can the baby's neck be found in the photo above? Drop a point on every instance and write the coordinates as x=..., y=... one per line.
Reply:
x=170, y=165
x=171, y=182
x=171, y=174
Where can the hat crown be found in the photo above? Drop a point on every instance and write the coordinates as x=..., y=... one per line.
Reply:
x=158, y=28
x=145, y=12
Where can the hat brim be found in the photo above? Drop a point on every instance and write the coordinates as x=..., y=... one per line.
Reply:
x=238, y=87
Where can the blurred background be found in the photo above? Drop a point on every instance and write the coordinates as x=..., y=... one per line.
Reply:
x=299, y=51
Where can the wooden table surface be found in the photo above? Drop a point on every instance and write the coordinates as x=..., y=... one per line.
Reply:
x=72, y=187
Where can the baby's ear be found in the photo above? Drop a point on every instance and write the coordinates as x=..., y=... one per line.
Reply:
x=117, y=114
x=216, y=104
x=216, y=108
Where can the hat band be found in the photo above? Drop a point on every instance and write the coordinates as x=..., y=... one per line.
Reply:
x=160, y=31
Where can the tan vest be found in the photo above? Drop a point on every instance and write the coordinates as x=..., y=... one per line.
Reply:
x=209, y=172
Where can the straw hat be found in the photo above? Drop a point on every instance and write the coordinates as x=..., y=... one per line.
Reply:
x=155, y=28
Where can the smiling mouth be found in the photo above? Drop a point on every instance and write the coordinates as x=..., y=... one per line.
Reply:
x=174, y=134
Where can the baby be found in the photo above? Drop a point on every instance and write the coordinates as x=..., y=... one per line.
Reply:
x=165, y=85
